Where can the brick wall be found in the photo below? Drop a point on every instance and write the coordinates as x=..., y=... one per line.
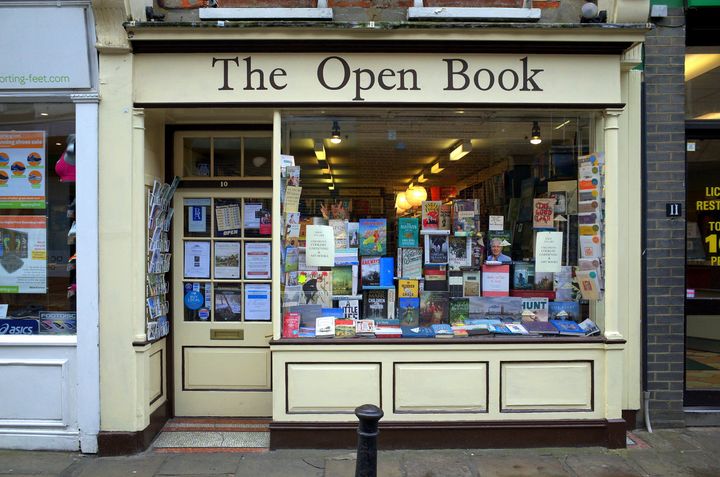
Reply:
x=665, y=253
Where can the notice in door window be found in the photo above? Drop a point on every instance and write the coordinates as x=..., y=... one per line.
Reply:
x=23, y=254
x=257, y=261
x=197, y=260
x=257, y=302
x=227, y=259
x=22, y=170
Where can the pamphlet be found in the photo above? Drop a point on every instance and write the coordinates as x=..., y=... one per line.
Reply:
x=319, y=246
x=257, y=302
x=257, y=260
x=292, y=198
x=197, y=260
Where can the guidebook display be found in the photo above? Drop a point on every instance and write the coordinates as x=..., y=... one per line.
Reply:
x=160, y=216
x=451, y=268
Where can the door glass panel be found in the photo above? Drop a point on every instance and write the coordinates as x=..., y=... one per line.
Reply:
x=228, y=303
x=197, y=259
x=702, y=364
x=258, y=151
x=257, y=301
x=197, y=301
x=257, y=221
x=196, y=218
x=227, y=217
x=228, y=154
x=196, y=157
x=227, y=260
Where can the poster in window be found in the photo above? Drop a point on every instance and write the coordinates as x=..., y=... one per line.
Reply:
x=23, y=254
x=22, y=170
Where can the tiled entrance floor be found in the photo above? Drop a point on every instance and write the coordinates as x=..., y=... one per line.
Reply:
x=214, y=435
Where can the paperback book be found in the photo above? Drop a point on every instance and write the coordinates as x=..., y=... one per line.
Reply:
x=523, y=275
x=344, y=328
x=543, y=280
x=373, y=236
x=564, y=310
x=417, y=332
x=370, y=271
x=495, y=280
x=567, y=327
x=538, y=306
x=505, y=237
x=340, y=232
x=436, y=249
x=465, y=214
x=459, y=310
x=505, y=309
x=317, y=287
x=540, y=328
x=365, y=328
x=442, y=330
x=445, y=217
x=353, y=234
x=291, y=325
x=378, y=304
x=325, y=327
x=431, y=214
x=409, y=311
x=408, y=230
x=460, y=252
x=350, y=308
x=411, y=262
x=455, y=283
x=435, y=278
x=408, y=288
x=434, y=308
x=343, y=282
x=471, y=283
x=387, y=271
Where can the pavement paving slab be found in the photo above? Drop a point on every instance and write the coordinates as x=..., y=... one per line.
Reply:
x=519, y=466
x=282, y=464
x=198, y=464
x=603, y=465
x=143, y=465
x=437, y=463
x=36, y=462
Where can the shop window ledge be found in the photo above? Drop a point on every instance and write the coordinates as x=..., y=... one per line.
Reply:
x=266, y=14
x=474, y=14
x=443, y=341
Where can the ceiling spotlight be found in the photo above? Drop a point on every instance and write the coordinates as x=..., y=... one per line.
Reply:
x=44, y=114
x=320, y=151
x=335, y=133
x=331, y=186
x=535, y=137
x=436, y=169
x=461, y=151
x=421, y=178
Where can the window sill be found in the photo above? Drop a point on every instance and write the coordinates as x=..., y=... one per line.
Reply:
x=38, y=340
x=490, y=339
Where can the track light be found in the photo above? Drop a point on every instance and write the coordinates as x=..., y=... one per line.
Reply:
x=421, y=178
x=335, y=133
x=436, y=169
x=320, y=151
x=461, y=151
x=535, y=137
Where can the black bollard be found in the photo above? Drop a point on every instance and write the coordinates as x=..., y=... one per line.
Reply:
x=366, y=463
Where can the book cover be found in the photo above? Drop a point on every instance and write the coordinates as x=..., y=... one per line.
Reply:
x=436, y=249
x=523, y=275
x=317, y=287
x=459, y=310
x=516, y=328
x=344, y=328
x=563, y=284
x=540, y=328
x=388, y=331
x=589, y=327
x=505, y=309
x=372, y=236
x=500, y=329
x=408, y=288
x=505, y=238
x=292, y=255
x=336, y=313
x=549, y=294
x=325, y=327
x=538, y=306
x=435, y=278
x=350, y=308
x=543, y=213
x=431, y=214
x=412, y=262
x=478, y=251
x=409, y=311
x=495, y=280
x=387, y=271
x=375, y=304
x=291, y=324
x=567, y=327
x=460, y=252
x=543, y=280
x=370, y=271
x=442, y=331
x=342, y=281
x=364, y=327
x=564, y=310
x=346, y=256
x=465, y=213
x=353, y=230
x=445, y=222
x=408, y=230
x=455, y=283
x=417, y=332
x=471, y=283
x=339, y=232
x=434, y=308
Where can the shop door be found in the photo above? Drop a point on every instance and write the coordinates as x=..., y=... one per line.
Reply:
x=702, y=270
x=221, y=302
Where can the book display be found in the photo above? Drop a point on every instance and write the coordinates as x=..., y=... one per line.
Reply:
x=483, y=259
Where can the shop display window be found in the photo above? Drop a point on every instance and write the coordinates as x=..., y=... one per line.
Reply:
x=37, y=219
x=440, y=224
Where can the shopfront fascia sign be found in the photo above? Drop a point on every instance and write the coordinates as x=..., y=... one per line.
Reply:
x=44, y=48
x=370, y=78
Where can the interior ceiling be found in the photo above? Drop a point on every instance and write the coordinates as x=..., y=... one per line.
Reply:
x=388, y=149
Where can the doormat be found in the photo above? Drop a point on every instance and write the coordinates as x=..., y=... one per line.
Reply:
x=213, y=435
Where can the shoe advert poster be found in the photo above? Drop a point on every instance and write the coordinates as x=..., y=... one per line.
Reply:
x=22, y=169
x=23, y=254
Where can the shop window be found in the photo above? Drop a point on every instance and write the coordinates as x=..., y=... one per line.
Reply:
x=702, y=74
x=37, y=219
x=414, y=224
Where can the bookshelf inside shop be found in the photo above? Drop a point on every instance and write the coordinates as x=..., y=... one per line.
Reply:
x=441, y=226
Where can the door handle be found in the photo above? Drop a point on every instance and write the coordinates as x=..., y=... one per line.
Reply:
x=222, y=334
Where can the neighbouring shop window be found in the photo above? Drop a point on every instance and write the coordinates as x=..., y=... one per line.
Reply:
x=702, y=268
x=440, y=224
x=38, y=228
x=702, y=73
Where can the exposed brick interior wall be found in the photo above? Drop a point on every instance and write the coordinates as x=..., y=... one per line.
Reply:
x=665, y=169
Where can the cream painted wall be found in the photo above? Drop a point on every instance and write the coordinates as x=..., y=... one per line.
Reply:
x=154, y=145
